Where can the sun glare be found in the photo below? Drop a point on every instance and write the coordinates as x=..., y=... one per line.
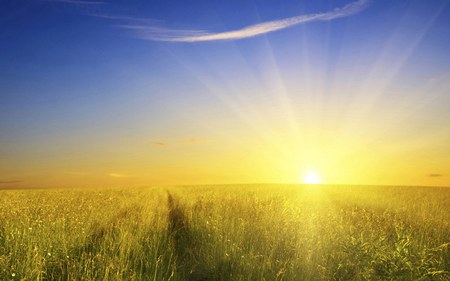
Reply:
x=311, y=177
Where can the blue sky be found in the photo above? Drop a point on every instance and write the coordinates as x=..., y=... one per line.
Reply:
x=92, y=79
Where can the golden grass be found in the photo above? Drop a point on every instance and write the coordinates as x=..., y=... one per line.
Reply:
x=254, y=232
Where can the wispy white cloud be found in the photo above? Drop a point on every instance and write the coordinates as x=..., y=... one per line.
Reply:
x=154, y=33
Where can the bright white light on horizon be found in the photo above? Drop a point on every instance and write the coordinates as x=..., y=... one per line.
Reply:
x=311, y=177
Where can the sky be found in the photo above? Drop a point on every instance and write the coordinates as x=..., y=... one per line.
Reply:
x=138, y=93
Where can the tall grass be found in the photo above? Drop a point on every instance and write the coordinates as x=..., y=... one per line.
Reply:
x=255, y=232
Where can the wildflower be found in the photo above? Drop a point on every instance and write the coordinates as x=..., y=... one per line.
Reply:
x=49, y=254
x=13, y=274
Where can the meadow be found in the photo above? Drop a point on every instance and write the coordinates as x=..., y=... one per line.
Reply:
x=226, y=232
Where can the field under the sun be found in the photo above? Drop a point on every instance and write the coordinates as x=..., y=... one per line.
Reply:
x=235, y=232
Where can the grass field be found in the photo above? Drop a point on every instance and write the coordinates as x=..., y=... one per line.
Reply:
x=254, y=232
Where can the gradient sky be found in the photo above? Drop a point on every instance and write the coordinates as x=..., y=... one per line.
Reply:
x=131, y=93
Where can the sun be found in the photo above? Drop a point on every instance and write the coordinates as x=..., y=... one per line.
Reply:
x=311, y=177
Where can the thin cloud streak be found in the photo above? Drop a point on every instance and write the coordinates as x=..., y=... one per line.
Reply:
x=189, y=141
x=117, y=175
x=11, y=181
x=78, y=2
x=175, y=35
x=159, y=143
